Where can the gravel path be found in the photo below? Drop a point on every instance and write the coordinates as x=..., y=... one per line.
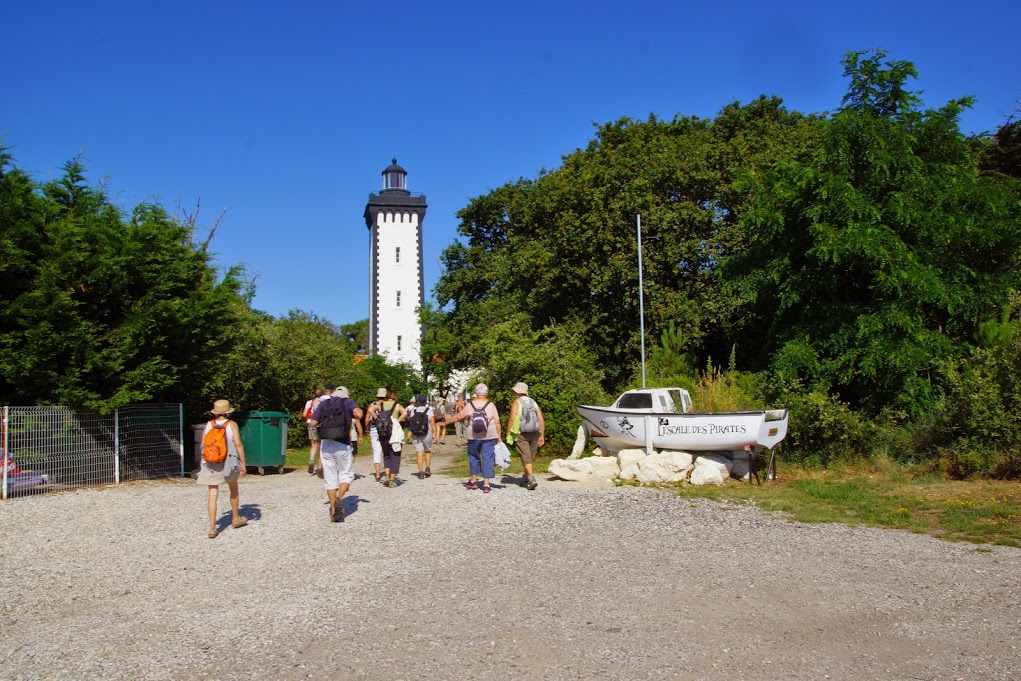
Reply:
x=430, y=580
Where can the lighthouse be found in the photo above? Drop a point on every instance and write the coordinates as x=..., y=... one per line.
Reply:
x=394, y=217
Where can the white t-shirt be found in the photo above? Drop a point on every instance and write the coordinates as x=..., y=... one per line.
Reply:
x=229, y=429
x=310, y=407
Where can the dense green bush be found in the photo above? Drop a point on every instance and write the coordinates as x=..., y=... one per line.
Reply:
x=820, y=428
x=978, y=423
x=558, y=369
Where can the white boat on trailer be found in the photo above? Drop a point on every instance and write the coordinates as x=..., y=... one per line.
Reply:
x=660, y=418
x=616, y=429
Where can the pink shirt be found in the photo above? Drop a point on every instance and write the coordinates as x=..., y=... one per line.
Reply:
x=493, y=432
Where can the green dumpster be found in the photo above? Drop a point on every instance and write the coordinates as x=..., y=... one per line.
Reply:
x=264, y=436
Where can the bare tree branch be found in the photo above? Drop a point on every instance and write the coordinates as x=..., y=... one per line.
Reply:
x=191, y=220
x=213, y=228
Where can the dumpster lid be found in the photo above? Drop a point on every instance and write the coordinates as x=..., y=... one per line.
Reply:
x=264, y=415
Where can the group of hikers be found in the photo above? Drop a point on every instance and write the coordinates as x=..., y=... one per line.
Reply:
x=425, y=425
x=335, y=423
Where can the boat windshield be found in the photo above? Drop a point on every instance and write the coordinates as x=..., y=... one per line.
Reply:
x=680, y=401
x=635, y=401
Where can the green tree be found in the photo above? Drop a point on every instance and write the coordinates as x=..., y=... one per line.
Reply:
x=562, y=249
x=357, y=334
x=100, y=308
x=437, y=349
x=978, y=424
x=670, y=357
x=1003, y=155
x=276, y=364
x=869, y=264
x=559, y=370
x=376, y=372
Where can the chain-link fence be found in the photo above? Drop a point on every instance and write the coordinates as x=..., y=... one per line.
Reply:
x=57, y=448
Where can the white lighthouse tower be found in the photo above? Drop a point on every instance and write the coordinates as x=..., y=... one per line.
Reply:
x=394, y=217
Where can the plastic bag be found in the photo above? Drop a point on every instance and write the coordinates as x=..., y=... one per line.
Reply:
x=501, y=455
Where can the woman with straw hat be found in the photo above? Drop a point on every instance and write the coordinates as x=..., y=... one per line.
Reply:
x=212, y=475
x=526, y=430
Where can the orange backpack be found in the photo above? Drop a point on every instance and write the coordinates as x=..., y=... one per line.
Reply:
x=214, y=442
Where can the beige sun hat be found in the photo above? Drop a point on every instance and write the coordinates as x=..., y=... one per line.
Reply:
x=341, y=392
x=381, y=393
x=221, y=408
x=520, y=388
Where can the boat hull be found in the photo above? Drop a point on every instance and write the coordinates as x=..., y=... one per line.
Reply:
x=616, y=429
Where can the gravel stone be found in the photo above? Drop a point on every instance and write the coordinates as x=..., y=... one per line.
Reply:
x=429, y=580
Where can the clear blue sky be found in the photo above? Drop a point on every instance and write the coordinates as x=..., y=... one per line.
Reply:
x=286, y=113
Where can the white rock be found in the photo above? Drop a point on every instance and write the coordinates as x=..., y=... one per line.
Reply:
x=605, y=467
x=626, y=457
x=710, y=469
x=579, y=443
x=570, y=469
x=598, y=451
x=664, y=466
x=629, y=472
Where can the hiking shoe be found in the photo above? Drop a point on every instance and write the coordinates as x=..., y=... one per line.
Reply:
x=213, y=533
x=532, y=483
x=337, y=515
x=471, y=485
x=387, y=482
x=420, y=475
x=485, y=489
x=428, y=473
x=240, y=521
x=311, y=468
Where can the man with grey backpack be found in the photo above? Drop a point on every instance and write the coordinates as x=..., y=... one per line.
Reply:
x=526, y=430
x=420, y=423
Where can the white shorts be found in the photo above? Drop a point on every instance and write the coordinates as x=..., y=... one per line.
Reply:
x=338, y=463
x=423, y=443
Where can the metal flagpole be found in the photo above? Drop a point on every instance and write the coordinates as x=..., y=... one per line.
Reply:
x=641, y=297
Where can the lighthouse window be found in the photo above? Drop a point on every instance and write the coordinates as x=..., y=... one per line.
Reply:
x=398, y=254
x=398, y=299
x=394, y=180
x=398, y=343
